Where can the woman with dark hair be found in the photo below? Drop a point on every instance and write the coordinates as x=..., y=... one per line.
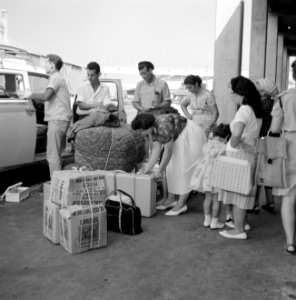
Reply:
x=204, y=111
x=245, y=128
x=284, y=119
x=182, y=141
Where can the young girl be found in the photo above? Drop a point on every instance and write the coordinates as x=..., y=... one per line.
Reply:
x=201, y=176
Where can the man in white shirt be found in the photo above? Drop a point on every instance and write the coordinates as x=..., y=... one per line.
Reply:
x=93, y=100
x=57, y=108
x=92, y=95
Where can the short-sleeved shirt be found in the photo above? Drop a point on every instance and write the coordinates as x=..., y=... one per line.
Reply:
x=59, y=106
x=168, y=127
x=86, y=94
x=151, y=94
x=288, y=112
x=246, y=115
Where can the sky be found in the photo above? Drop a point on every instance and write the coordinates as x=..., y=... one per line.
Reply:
x=170, y=33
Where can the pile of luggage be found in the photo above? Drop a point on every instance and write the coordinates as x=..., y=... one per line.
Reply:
x=80, y=206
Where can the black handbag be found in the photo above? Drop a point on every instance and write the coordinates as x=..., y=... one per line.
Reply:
x=123, y=217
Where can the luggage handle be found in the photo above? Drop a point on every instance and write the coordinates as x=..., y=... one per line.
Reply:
x=10, y=188
x=124, y=193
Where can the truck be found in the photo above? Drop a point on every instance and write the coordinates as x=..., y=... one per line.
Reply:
x=23, y=132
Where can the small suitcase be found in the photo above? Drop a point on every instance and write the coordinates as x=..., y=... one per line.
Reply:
x=142, y=188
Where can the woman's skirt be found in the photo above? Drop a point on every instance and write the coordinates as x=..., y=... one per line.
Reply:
x=290, y=165
x=187, y=149
x=240, y=200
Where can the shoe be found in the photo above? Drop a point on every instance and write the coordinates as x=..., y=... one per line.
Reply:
x=247, y=227
x=173, y=213
x=164, y=207
x=269, y=207
x=218, y=225
x=206, y=223
x=229, y=223
x=238, y=236
x=290, y=248
x=255, y=210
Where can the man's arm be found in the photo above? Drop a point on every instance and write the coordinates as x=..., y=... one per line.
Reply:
x=163, y=104
x=41, y=97
x=136, y=101
x=85, y=106
x=139, y=107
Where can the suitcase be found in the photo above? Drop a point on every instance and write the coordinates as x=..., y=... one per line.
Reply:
x=142, y=188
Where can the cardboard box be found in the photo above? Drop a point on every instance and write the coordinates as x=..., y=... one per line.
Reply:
x=16, y=193
x=83, y=228
x=142, y=187
x=75, y=187
x=51, y=221
x=46, y=191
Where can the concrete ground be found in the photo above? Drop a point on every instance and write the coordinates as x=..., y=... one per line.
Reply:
x=174, y=258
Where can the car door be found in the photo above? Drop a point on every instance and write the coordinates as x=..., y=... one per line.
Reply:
x=116, y=92
x=17, y=125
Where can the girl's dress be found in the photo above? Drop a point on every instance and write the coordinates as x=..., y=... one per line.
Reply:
x=200, y=179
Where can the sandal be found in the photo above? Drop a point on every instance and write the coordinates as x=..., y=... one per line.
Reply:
x=291, y=249
x=255, y=210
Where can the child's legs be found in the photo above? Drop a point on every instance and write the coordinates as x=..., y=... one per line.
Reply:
x=228, y=209
x=207, y=203
x=268, y=195
x=216, y=205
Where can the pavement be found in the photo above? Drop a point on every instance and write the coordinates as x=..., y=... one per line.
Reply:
x=174, y=258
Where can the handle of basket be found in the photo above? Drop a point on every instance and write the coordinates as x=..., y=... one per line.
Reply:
x=124, y=193
x=10, y=188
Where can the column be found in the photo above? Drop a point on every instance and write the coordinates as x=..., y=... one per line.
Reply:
x=279, y=63
x=271, y=46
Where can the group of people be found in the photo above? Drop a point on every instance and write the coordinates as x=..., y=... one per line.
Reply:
x=185, y=147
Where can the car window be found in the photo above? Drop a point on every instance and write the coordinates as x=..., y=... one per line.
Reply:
x=113, y=91
x=38, y=82
x=10, y=84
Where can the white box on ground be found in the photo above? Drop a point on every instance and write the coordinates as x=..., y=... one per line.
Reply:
x=51, y=221
x=16, y=193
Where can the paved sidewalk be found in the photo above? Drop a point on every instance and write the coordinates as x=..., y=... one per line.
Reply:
x=174, y=258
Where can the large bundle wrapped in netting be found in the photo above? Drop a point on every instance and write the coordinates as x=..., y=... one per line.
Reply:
x=107, y=148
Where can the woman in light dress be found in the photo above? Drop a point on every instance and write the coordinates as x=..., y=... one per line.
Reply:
x=245, y=128
x=204, y=111
x=182, y=141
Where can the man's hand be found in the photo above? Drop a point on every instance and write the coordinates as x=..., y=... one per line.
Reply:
x=30, y=107
x=23, y=94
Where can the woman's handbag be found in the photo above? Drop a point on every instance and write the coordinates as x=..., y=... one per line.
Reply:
x=231, y=174
x=271, y=169
x=122, y=217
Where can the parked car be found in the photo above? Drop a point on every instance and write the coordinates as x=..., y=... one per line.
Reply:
x=22, y=132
